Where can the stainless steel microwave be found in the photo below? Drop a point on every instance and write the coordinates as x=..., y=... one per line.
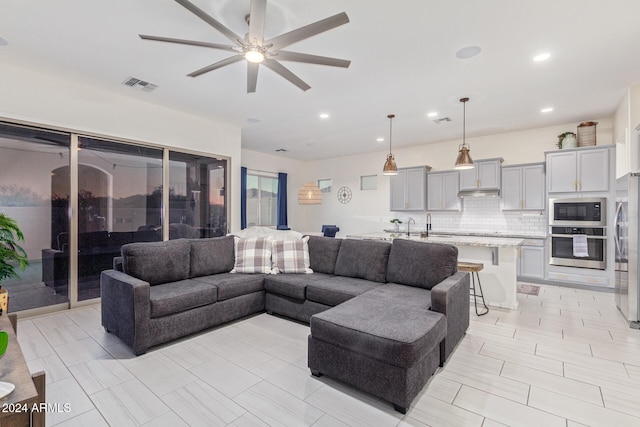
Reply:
x=585, y=212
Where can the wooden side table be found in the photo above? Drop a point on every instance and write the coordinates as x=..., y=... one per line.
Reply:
x=16, y=409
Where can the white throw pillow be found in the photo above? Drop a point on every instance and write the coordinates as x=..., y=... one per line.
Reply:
x=291, y=256
x=253, y=255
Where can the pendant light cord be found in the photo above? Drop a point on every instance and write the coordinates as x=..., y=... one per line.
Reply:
x=464, y=121
x=390, y=116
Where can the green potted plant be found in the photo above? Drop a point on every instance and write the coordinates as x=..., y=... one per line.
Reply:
x=396, y=223
x=11, y=254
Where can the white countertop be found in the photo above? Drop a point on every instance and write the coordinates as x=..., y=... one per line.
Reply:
x=449, y=239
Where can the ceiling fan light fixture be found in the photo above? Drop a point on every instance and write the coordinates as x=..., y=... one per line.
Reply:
x=464, y=161
x=254, y=55
x=390, y=167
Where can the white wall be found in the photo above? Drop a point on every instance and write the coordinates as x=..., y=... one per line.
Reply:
x=634, y=136
x=50, y=101
x=621, y=133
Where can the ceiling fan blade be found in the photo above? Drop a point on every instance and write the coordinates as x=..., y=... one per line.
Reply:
x=283, y=55
x=307, y=31
x=286, y=73
x=188, y=42
x=252, y=76
x=257, y=17
x=219, y=64
x=209, y=20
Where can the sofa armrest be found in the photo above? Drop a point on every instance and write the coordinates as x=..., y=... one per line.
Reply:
x=126, y=308
x=117, y=263
x=451, y=298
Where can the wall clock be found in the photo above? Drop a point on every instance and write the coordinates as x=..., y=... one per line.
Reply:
x=344, y=195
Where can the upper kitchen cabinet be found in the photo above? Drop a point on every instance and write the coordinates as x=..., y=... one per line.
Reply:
x=484, y=176
x=442, y=191
x=579, y=170
x=523, y=187
x=409, y=189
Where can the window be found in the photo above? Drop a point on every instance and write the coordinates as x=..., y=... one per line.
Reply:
x=324, y=185
x=262, y=199
x=369, y=182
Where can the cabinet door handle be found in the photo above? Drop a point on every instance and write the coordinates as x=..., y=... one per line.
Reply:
x=575, y=185
x=477, y=183
x=579, y=185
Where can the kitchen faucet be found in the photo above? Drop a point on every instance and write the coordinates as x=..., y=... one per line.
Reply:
x=428, y=227
x=409, y=225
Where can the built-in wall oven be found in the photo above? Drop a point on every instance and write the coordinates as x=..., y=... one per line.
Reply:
x=578, y=233
x=578, y=247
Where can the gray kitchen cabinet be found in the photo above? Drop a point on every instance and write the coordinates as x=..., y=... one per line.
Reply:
x=409, y=189
x=442, y=191
x=523, y=187
x=579, y=170
x=531, y=259
x=484, y=176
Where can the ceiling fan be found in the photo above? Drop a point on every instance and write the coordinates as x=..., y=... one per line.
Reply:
x=255, y=50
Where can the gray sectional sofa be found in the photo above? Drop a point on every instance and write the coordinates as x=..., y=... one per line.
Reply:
x=383, y=316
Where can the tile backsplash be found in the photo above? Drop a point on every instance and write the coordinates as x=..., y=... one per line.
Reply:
x=483, y=215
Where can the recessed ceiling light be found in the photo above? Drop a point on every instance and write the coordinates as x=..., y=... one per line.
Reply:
x=379, y=139
x=547, y=110
x=541, y=57
x=468, y=52
x=324, y=115
x=432, y=114
x=3, y=42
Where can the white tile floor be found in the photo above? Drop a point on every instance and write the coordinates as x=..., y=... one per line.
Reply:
x=565, y=358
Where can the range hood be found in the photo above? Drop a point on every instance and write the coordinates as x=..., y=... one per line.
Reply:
x=479, y=193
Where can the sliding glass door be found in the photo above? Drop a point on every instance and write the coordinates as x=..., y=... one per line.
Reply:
x=197, y=196
x=78, y=199
x=119, y=202
x=35, y=191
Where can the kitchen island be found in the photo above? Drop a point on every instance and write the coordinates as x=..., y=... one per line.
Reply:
x=498, y=254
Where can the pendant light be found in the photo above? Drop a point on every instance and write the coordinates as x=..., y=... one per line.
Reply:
x=309, y=194
x=464, y=159
x=390, y=167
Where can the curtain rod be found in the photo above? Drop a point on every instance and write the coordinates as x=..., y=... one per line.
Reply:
x=258, y=170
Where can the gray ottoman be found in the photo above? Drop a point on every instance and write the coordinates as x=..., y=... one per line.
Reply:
x=380, y=348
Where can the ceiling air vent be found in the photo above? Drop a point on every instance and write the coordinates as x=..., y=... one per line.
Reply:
x=139, y=84
x=442, y=120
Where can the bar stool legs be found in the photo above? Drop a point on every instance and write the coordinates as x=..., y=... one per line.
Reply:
x=477, y=293
x=473, y=269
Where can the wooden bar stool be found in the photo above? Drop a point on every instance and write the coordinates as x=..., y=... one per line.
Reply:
x=474, y=268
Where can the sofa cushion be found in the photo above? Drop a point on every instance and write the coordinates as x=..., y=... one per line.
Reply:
x=291, y=256
x=211, y=256
x=291, y=285
x=394, y=336
x=232, y=285
x=363, y=259
x=157, y=262
x=323, y=252
x=421, y=264
x=253, y=255
x=409, y=297
x=336, y=290
x=175, y=297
